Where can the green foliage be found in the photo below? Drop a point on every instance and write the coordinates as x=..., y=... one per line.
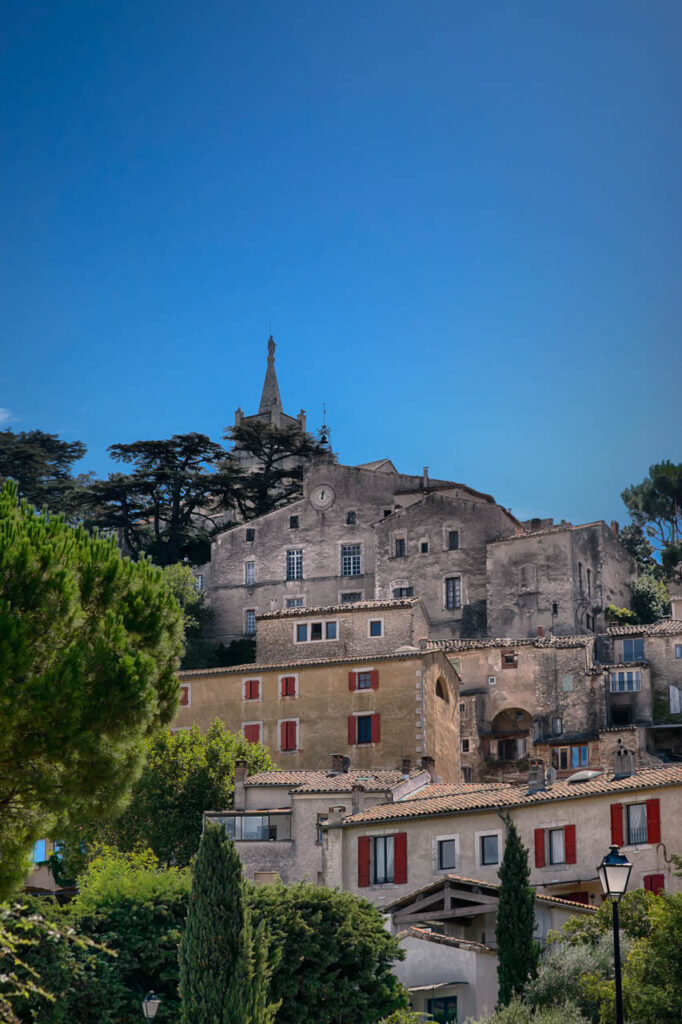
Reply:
x=336, y=955
x=184, y=775
x=278, y=455
x=518, y=1012
x=517, y=950
x=620, y=616
x=633, y=540
x=650, y=599
x=41, y=464
x=403, y=1017
x=89, y=645
x=652, y=976
x=223, y=978
x=169, y=502
x=634, y=911
x=575, y=972
x=182, y=584
x=655, y=506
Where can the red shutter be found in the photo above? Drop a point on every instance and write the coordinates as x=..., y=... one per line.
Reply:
x=376, y=728
x=291, y=735
x=252, y=733
x=351, y=681
x=252, y=689
x=654, y=883
x=351, y=730
x=288, y=686
x=283, y=736
x=653, y=821
x=539, y=847
x=569, y=844
x=184, y=696
x=363, y=862
x=400, y=858
x=374, y=679
x=616, y=824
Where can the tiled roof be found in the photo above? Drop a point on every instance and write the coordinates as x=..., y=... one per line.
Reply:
x=429, y=804
x=463, y=788
x=329, y=609
x=561, y=528
x=445, y=940
x=251, y=669
x=375, y=780
x=478, y=885
x=551, y=642
x=664, y=627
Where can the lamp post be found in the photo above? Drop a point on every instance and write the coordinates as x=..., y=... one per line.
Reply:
x=614, y=874
x=150, y=1005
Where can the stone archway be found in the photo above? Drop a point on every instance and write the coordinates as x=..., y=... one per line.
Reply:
x=511, y=729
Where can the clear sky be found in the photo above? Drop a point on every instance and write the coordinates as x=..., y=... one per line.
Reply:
x=461, y=220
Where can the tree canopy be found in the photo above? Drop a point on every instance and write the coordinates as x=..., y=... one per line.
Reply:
x=517, y=950
x=42, y=466
x=655, y=506
x=89, y=646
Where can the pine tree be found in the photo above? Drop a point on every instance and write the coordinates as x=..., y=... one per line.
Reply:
x=223, y=978
x=517, y=951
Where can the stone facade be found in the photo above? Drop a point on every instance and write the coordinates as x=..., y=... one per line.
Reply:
x=377, y=710
x=560, y=579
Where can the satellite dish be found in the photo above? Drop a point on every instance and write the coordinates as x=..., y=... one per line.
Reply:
x=584, y=776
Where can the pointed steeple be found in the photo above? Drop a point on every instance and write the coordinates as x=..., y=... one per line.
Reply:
x=270, y=400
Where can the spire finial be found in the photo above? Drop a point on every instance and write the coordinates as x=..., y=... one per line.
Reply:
x=270, y=399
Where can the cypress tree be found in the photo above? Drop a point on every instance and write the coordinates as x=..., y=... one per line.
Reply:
x=517, y=951
x=222, y=979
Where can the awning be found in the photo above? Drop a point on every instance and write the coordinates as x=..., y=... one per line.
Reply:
x=436, y=986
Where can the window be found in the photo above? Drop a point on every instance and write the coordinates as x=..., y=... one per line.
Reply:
x=330, y=631
x=555, y=607
x=363, y=729
x=376, y=627
x=295, y=564
x=625, y=682
x=288, y=735
x=465, y=746
x=424, y=547
x=256, y=827
x=399, y=592
x=567, y=683
x=302, y=633
x=39, y=851
x=489, y=849
x=633, y=649
x=589, y=622
x=293, y=522
x=250, y=621
x=492, y=680
x=314, y=632
x=442, y=1010
x=400, y=547
x=252, y=731
x=589, y=583
x=288, y=687
x=557, y=851
x=527, y=578
x=509, y=659
x=447, y=854
x=442, y=690
x=365, y=679
x=294, y=602
x=350, y=560
x=387, y=512
x=199, y=582
x=453, y=592
x=453, y=540
x=383, y=859
x=574, y=757
x=351, y=597
x=636, y=824
x=249, y=534
x=351, y=518
x=557, y=726
x=678, y=650
x=580, y=575
x=249, y=573
x=252, y=689
x=185, y=695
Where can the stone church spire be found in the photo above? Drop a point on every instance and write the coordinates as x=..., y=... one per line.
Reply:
x=270, y=400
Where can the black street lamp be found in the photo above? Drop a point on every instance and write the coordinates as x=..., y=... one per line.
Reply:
x=614, y=874
x=150, y=1005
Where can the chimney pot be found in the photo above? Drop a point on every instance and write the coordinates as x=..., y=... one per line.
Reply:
x=541, y=631
x=615, y=527
x=429, y=765
x=337, y=762
x=405, y=765
x=425, y=478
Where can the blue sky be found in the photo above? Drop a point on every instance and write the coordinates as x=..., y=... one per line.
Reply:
x=461, y=221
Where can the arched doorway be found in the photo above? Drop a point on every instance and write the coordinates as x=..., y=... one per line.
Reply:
x=511, y=729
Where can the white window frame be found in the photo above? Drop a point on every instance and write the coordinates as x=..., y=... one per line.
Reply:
x=478, y=836
x=249, y=579
x=351, y=575
x=188, y=687
x=492, y=680
x=636, y=680
x=455, y=607
x=367, y=713
x=297, y=565
x=280, y=722
x=289, y=696
x=199, y=581
x=324, y=639
x=250, y=679
x=375, y=636
x=260, y=729
x=452, y=836
x=297, y=597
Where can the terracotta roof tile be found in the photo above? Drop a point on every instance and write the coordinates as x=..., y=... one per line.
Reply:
x=445, y=940
x=429, y=804
x=549, y=642
x=664, y=627
x=329, y=609
x=375, y=780
x=251, y=669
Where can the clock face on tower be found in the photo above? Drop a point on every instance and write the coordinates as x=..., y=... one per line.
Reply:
x=322, y=497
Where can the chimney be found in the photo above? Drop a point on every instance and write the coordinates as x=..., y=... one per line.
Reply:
x=615, y=528
x=425, y=478
x=240, y=775
x=541, y=631
x=624, y=761
x=536, y=775
x=405, y=767
x=337, y=763
x=336, y=815
x=429, y=765
x=356, y=790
